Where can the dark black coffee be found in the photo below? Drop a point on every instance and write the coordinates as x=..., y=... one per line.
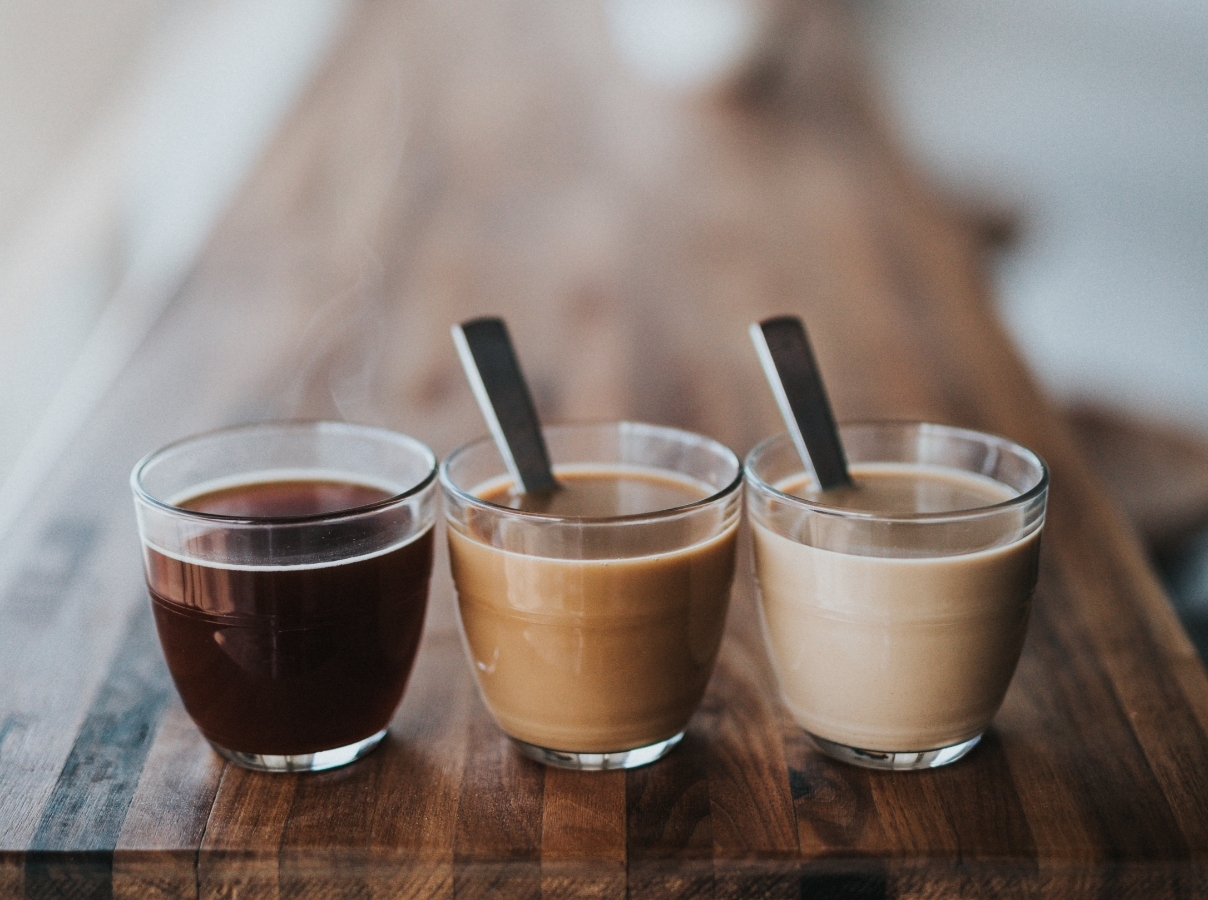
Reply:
x=293, y=660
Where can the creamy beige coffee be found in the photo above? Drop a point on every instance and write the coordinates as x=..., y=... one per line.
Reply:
x=594, y=655
x=903, y=652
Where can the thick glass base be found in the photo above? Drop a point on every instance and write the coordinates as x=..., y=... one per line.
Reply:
x=302, y=762
x=598, y=762
x=881, y=759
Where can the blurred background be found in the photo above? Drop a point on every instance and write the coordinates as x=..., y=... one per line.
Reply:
x=1074, y=133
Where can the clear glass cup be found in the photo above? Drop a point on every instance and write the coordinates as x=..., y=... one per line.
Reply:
x=288, y=568
x=592, y=639
x=894, y=635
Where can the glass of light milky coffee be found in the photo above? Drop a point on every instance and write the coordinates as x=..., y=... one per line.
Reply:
x=288, y=567
x=592, y=616
x=895, y=611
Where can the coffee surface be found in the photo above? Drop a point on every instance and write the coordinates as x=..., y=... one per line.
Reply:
x=604, y=494
x=888, y=648
x=897, y=489
x=291, y=660
x=596, y=654
x=280, y=499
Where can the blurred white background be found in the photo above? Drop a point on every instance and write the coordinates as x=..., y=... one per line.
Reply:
x=126, y=126
x=1089, y=120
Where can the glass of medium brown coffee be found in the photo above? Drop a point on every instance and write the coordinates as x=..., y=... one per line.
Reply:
x=895, y=611
x=288, y=567
x=592, y=617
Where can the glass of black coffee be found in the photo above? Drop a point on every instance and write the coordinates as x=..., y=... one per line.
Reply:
x=288, y=567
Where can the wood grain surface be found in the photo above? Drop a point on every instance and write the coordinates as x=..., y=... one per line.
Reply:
x=458, y=159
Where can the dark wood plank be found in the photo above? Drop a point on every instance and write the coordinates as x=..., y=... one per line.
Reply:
x=583, y=834
x=669, y=833
x=12, y=874
x=834, y=805
x=59, y=664
x=753, y=823
x=238, y=855
x=326, y=829
x=415, y=811
x=83, y=815
x=155, y=855
x=1140, y=638
x=497, y=848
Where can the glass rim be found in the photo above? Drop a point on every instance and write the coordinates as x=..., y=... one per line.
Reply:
x=464, y=495
x=285, y=425
x=953, y=515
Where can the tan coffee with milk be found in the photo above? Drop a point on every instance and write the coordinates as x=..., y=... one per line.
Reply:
x=901, y=652
x=594, y=655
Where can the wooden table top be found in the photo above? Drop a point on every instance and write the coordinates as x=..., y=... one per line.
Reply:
x=457, y=159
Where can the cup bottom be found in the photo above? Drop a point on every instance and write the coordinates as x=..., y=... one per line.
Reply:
x=599, y=762
x=898, y=761
x=302, y=762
